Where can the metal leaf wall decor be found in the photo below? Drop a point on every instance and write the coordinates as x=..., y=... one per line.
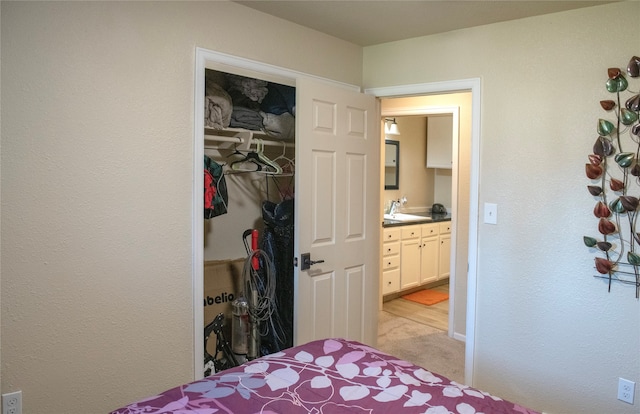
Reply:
x=614, y=173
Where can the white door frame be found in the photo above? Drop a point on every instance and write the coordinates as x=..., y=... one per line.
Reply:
x=202, y=57
x=454, y=111
x=472, y=85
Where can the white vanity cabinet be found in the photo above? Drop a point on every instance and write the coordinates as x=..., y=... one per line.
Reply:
x=415, y=255
x=429, y=253
x=444, y=259
x=391, y=260
x=410, y=251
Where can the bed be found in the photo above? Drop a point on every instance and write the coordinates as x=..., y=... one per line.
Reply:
x=327, y=376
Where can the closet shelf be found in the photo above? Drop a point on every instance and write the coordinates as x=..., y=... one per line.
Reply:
x=242, y=137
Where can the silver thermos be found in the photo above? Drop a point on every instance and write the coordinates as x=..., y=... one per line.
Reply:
x=240, y=326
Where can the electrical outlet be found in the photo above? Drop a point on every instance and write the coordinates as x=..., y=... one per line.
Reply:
x=12, y=403
x=626, y=389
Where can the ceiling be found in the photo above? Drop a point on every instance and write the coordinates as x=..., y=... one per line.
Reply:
x=367, y=23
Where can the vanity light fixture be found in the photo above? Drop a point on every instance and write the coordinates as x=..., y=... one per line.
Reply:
x=391, y=129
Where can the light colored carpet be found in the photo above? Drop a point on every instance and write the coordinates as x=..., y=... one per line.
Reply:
x=422, y=345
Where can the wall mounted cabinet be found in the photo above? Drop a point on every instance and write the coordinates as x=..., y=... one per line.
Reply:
x=440, y=141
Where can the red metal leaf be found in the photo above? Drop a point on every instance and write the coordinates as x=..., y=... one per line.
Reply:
x=613, y=72
x=606, y=227
x=616, y=185
x=593, y=171
x=601, y=210
x=607, y=105
x=603, y=266
x=595, y=159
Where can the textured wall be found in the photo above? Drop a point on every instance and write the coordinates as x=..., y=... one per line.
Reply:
x=548, y=334
x=97, y=158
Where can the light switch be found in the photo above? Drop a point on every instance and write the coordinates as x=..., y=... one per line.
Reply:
x=490, y=213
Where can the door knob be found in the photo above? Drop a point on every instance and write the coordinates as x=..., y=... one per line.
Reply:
x=307, y=262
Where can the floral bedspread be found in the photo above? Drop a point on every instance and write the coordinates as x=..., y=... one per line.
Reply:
x=328, y=376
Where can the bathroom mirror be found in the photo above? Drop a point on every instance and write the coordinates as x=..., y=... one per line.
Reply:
x=391, y=164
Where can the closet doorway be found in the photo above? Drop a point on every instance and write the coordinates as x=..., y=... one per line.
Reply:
x=336, y=144
x=465, y=265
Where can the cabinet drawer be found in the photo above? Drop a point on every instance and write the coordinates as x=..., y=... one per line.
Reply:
x=390, y=262
x=445, y=227
x=389, y=249
x=391, y=235
x=430, y=229
x=390, y=281
x=410, y=232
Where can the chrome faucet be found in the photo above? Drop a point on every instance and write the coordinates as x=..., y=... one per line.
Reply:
x=394, y=207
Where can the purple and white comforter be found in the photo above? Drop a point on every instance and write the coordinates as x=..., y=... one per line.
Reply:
x=328, y=376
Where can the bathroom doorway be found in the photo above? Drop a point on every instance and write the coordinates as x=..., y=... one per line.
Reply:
x=464, y=198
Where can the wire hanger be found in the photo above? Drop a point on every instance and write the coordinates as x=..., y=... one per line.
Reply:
x=265, y=160
x=289, y=166
x=250, y=163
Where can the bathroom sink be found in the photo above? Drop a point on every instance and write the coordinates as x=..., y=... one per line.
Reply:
x=405, y=217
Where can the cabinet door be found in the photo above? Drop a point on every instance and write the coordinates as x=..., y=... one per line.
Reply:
x=410, y=263
x=410, y=232
x=445, y=256
x=429, y=260
x=391, y=234
x=390, y=281
x=439, y=141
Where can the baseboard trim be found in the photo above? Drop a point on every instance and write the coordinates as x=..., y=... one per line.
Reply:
x=460, y=337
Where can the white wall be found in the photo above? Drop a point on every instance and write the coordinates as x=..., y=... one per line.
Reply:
x=416, y=183
x=548, y=335
x=97, y=158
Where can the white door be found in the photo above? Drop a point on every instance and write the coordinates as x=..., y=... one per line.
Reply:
x=337, y=213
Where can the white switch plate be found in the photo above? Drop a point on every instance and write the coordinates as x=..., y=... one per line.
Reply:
x=490, y=213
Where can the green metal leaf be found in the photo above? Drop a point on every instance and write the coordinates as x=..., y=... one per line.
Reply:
x=616, y=206
x=605, y=127
x=624, y=159
x=618, y=84
x=628, y=117
x=589, y=241
x=633, y=258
